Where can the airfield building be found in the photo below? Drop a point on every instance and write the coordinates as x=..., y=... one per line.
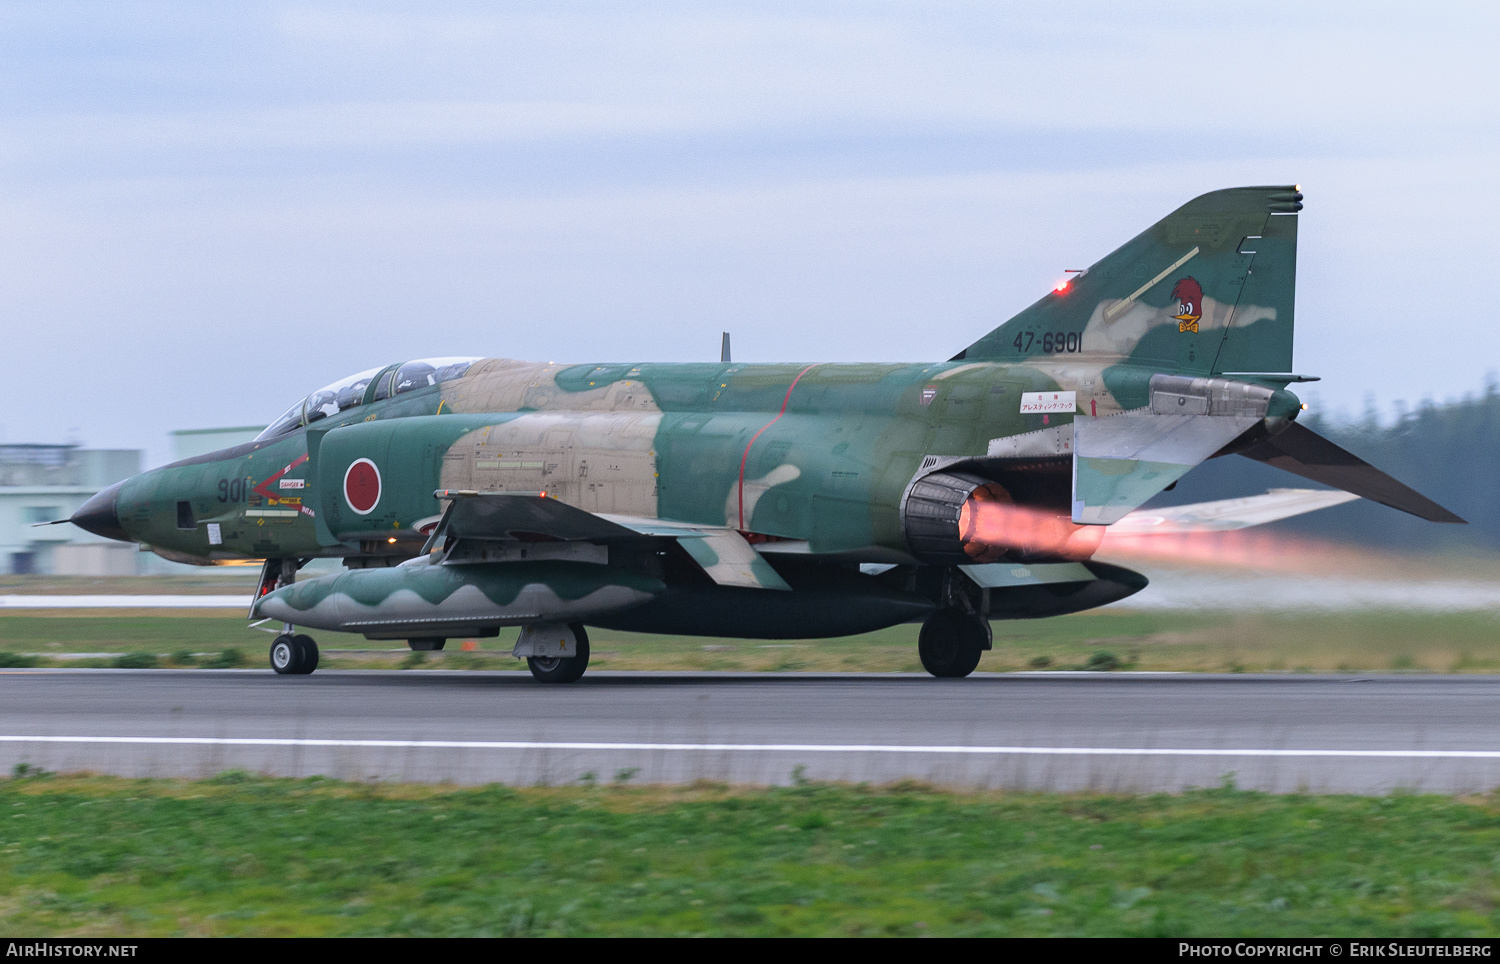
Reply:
x=42, y=483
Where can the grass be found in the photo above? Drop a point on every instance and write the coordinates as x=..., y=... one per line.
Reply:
x=246, y=855
x=1170, y=640
x=1200, y=641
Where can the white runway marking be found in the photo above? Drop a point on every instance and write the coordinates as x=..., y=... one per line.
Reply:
x=125, y=602
x=765, y=747
x=1171, y=588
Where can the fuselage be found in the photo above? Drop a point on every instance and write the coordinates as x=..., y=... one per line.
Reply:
x=776, y=500
x=819, y=454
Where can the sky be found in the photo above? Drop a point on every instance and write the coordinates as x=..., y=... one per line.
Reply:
x=210, y=210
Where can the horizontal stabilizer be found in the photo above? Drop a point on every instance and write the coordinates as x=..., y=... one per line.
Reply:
x=1301, y=451
x=1120, y=461
x=1227, y=514
x=1124, y=460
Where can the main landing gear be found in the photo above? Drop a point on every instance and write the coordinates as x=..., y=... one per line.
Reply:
x=952, y=641
x=563, y=669
x=294, y=655
x=957, y=634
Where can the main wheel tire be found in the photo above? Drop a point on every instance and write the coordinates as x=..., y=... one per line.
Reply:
x=309, y=654
x=286, y=655
x=426, y=645
x=563, y=669
x=951, y=643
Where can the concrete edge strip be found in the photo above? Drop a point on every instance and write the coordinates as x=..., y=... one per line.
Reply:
x=126, y=602
x=759, y=747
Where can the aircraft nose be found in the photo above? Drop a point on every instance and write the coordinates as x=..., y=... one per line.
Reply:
x=100, y=516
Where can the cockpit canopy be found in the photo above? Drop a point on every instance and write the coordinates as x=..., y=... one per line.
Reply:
x=355, y=390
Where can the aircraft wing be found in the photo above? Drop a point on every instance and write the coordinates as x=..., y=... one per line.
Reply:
x=522, y=516
x=534, y=517
x=723, y=553
x=1226, y=514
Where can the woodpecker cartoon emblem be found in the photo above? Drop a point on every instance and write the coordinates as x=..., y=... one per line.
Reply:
x=1189, y=295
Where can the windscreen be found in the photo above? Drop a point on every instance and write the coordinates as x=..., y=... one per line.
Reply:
x=343, y=394
x=290, y=421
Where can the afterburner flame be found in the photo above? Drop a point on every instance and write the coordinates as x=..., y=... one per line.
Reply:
x=1238, y=548
x=991, y=526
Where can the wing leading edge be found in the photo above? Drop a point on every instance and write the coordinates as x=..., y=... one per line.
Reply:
x=534, y=517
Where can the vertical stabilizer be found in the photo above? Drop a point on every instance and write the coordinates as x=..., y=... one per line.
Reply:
x=1207, y=289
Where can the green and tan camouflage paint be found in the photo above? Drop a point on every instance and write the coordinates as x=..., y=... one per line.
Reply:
x=419, y=598
x=820, y=453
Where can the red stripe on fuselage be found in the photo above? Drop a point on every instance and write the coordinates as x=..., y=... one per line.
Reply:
x=745, y=457
x=263, y=488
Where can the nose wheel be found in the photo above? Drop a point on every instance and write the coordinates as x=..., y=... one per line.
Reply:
x=294, y=655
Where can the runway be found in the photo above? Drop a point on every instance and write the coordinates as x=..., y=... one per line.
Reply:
x=1063, y=731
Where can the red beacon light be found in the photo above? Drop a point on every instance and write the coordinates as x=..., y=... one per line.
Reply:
x=1062, y=285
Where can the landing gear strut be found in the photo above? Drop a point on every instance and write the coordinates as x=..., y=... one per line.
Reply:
x=294, y=655
x=951, y=642
x=563, y=669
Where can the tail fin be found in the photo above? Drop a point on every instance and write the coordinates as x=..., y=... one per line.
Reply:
x=1207, y=289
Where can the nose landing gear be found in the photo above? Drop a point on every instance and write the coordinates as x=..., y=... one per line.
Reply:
x=294, y=655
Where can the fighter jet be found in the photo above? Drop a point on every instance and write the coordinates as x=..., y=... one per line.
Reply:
x=773, y=501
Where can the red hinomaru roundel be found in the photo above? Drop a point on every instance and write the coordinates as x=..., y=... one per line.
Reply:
x=362, y=486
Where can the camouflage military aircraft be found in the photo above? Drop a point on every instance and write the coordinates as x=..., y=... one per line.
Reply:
x=772, y=500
